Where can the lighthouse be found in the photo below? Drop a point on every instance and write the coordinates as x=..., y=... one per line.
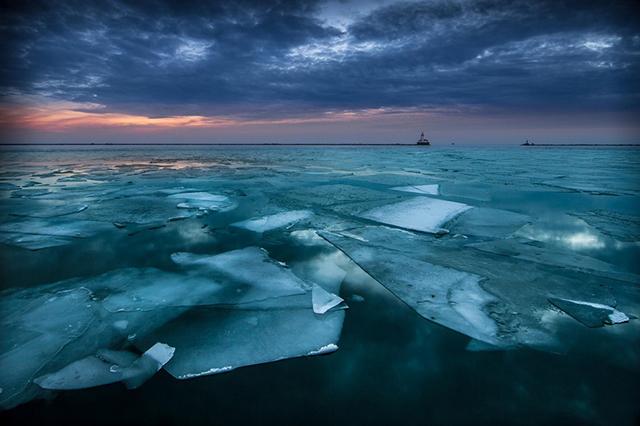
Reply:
x=423, y=140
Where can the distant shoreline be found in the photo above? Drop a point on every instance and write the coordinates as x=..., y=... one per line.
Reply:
x=313, y=144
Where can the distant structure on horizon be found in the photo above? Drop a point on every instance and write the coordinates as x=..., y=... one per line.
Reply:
x=527, y=143
x=423, y=140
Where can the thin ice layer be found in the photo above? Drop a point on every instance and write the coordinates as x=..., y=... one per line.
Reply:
x=210, y=341
x=445, y=296
x=419, y=214
x=538, y=252
x=274, y=221
x=485, y=222
x=152, y=289
x=589, y=313
x=419, y=189
x=323, y=300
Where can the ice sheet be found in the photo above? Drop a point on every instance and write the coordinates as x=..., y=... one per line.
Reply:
x=446, y=296
x=247, y=274
x=210, y=341
x=419, y=214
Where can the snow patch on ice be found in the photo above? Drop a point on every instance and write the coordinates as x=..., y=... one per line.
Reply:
x=214, y=370
x=419, y=214
x=203, y=201
x=331, y=347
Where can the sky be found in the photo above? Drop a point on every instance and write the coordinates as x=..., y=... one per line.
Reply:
x=348, y=71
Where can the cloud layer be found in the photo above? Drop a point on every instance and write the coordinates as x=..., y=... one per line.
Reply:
x=257, y=60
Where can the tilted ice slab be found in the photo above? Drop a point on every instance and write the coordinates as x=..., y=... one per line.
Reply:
x=443, y=295
x=274, y=221
x=203, y=201
x=589, y=313
x=108, y=367
x=323, y=300
x=210, y=341
x=246, y=274
x=418, y=214
x=419, y=189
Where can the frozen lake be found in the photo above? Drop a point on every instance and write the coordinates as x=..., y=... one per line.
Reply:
x=311, y=285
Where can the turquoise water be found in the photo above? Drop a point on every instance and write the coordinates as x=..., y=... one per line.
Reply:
x=479, y=285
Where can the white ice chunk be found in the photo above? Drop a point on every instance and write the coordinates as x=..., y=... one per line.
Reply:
x=326, y=349
x=323, y=300
x=589, y=313
x=147, y=365
x=161, y=353
x=274, y=221
x=419, y=214
x=203, y=201
x=419, y=189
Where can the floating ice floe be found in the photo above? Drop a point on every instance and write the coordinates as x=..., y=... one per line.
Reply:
x=274, y=221
x=323, y=300
x=419, y=189
x=418, y=214
x=589, y=313
x=446, y=296
x=108, y=367
x=211, y=341
x=203, y=201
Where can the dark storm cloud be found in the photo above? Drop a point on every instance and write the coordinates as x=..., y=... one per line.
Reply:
x=270, y=58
